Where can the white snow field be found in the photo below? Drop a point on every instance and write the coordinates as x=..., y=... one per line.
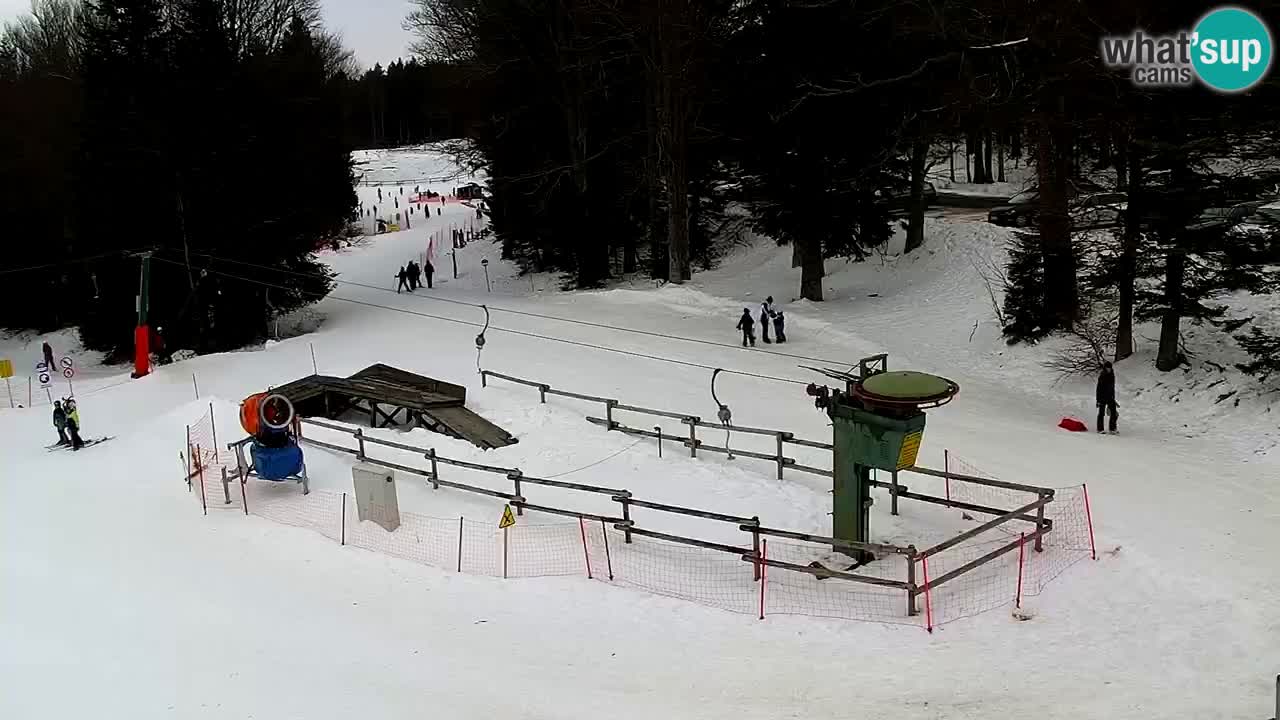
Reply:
x=119, y=599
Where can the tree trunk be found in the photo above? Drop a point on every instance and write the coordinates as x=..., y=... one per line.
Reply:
x=673, y=120
x=951, y=156
x=915, y=217
x=1169, y=356
x=1052, y=168
x=986, y=154
x=1123, y=153
x=975, y=142
x=1000, y=160
x=1127, y=156
x=811, y=267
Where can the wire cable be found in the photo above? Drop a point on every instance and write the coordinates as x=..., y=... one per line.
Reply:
x=541, y=316
x=603, y=459
x=493, y=328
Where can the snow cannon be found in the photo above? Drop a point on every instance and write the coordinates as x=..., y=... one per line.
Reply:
x=877, y=424
x=274, y=454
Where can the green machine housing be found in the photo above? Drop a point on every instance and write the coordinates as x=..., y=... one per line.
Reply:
x=877, y=424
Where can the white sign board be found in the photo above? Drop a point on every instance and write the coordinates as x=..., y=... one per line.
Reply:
x=376, y=496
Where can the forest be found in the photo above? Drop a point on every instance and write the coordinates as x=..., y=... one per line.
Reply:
x=625, y=138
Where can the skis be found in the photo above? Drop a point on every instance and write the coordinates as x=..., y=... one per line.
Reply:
x=87, y=443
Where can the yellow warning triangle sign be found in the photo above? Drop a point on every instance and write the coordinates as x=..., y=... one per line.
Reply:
x=508, y=518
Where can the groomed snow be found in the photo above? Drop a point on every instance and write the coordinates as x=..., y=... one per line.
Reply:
x=118, y=599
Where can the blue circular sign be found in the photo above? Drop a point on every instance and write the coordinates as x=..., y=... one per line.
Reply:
x=1232, y=49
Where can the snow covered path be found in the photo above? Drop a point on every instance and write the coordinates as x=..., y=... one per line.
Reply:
x=117, y=599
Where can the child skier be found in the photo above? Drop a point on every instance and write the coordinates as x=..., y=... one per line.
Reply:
x=60, y=422
x=747, y=325
x=779, y=333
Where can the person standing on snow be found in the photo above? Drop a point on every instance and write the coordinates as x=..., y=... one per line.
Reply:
x=60, y=422
x=414, y=274
x=1107, y=396
x=779, y=328
x=766, y=312
x=73, y=424
x=48, y=355
x=748, y=327
x=428, y=270
x=403, y=278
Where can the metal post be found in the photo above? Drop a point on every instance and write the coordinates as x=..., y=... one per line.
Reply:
x=484, y=380
x=29, y=403
x=658, y=429
x=946, y=470
x=435, y=470
x=693, y=437
x=911, y=583
x=226, y=487
x=542, y=394
x=608, y=413
x=8, y=391
x=196, y=385
x=454, y=255
x=314, y=369
x=359, y=435
x=755, y=549
x=342, y=537
x=213, y=426
x=504, y=552
x=893, y=493
x=1040, y=528
x=515, y=478
x=626, y=515
x=780, y=462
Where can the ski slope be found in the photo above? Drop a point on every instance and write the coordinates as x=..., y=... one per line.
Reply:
x=118, y=599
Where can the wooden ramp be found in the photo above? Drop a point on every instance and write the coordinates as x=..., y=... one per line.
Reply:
x=395, y=398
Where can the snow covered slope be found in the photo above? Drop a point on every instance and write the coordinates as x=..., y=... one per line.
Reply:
x=118, y=599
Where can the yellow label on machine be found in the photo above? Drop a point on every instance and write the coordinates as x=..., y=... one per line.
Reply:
x=508, y=518
x=910, y=449
x=6, y=368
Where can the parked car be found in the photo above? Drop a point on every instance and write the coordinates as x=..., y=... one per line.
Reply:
x=1089, y=211
x=899, y=198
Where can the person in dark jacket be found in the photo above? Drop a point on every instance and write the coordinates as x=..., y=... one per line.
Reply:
x=779, y=328
x=48, y=355
x=414, y=274
x=748, y=327
x=428, y=270
x=1107, y=396
x=60, y=422
x=403, y=278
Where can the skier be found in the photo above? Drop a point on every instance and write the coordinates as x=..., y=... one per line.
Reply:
x=48, y=355
x=1107, y=396
x=60, y=422
x=747, y=325
x=403, y=278
x=73, y=425
x=428, y=270
x=379, y=194
x=779, y=328
x=766, y=312
x=414, y=274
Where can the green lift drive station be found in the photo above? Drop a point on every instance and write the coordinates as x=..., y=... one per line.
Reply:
x=877, y=423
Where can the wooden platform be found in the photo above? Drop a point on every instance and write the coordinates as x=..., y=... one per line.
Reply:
x=392, y=398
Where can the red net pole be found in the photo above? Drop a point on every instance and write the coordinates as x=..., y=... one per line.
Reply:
x=1022, y=539
x=1093, y=550
x=608, y=561
x=583, y=528
x=928, y=595
x=764, y=555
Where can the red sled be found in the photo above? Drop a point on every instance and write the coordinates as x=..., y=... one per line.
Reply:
x=1072, y=424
